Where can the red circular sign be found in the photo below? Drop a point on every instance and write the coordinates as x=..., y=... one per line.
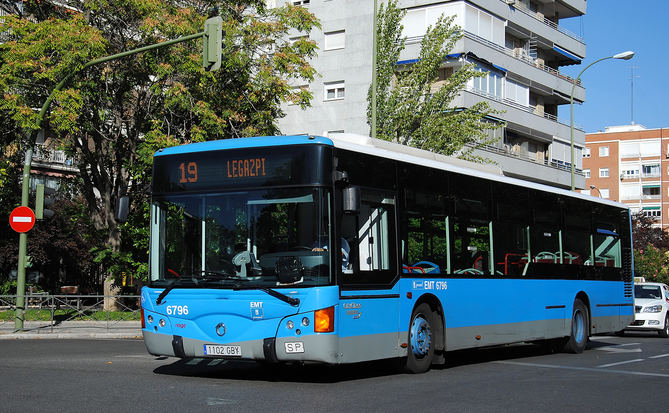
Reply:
x=22, y=219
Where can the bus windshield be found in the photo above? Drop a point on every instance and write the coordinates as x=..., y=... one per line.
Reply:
x=248, y=239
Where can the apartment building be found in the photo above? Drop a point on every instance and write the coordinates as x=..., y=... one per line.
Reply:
x=520, y=44
x=630, y=164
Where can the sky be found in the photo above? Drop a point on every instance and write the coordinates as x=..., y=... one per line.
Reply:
x=610, y=27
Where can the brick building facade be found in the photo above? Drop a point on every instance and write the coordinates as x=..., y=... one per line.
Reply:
x=630, y=164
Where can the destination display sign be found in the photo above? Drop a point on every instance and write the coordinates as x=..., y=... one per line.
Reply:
x=255, y=167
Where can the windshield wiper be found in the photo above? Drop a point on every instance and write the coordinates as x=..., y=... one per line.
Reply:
x=283, y=297
x=205, y=275
x=167, y=289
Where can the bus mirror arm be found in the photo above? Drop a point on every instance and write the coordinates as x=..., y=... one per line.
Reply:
x=351, y=198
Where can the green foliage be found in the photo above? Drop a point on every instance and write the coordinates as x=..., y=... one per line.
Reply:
x=651, y=250
x=9, y=288
x=114, y=116
x=652, y=263
x=413, y=108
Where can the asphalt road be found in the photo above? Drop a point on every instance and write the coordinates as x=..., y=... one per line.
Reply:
x=616, y=374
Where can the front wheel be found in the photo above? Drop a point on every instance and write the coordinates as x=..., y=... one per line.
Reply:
x=421, y=340
x=580, y=328
x=664, y=333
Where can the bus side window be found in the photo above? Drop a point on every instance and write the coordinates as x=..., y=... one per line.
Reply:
x=510, y=230
x=371, y=238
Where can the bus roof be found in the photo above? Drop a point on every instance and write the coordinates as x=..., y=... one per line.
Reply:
x=381, y=148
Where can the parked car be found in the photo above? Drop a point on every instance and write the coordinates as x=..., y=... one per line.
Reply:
x=651, y=305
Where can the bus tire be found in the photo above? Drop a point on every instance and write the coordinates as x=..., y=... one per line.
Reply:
x=664, y=333
x=421, y=340
x=580, y=329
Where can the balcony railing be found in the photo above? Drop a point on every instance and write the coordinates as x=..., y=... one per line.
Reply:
x=523, y=57
x=510, y=153
x=519, y=106
x=522, y=8
x=52, y=156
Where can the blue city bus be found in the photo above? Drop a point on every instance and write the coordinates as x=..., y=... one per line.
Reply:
x=347, y=249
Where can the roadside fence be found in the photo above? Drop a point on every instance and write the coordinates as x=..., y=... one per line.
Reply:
x=47, y=312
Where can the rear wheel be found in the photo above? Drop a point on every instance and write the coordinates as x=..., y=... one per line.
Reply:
x=421, y=340
x=664, y=333
x=580, y=328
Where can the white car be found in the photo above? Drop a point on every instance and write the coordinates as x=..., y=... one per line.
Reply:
x=651, y=303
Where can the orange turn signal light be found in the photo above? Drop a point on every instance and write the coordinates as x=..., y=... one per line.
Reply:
x=324, y=320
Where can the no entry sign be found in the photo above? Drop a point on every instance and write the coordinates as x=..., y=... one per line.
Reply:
x=22, y=219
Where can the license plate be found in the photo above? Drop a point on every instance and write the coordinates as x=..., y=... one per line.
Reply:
x=294, y=347
x=216, y=350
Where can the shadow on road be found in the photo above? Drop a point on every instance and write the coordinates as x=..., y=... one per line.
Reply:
x=318, y=373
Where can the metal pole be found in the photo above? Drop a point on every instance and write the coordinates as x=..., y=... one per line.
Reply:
x=374, y=50
x=571, y=125
x=25, y=185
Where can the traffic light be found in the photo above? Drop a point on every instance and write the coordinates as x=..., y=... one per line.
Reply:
x=42, y=202
x=211, y=49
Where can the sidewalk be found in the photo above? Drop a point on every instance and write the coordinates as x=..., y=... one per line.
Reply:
x=72, y=330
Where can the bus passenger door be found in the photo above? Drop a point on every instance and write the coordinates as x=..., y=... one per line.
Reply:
x=369, y=302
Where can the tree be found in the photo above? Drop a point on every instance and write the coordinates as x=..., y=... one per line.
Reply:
x=412, y=108
x=644, y=233
x=115, y=116
x=651, y=249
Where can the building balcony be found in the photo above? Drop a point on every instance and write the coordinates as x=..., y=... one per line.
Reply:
x=528, y=119
x=522, y=21
x=544, y=78
x=53, y=159
x=578, y=5
x=529, y=168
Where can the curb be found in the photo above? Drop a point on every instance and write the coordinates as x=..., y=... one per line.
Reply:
x=66, y=336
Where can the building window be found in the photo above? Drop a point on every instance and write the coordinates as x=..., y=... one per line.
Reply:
x=586, y=172
x=604, y=193
x=334, y=90
x=603, y=172
x=586, y=152
x=650, y=192
x=585, y=191
x=603, y=151
x=490, y=84
x=296, y=91
x=650, y=171
x=335, y=40
x=652, y=213
x=301, y=2
x=630, y=173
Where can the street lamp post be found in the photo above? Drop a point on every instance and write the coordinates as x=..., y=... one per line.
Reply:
x=594, y=187
x=624, y=56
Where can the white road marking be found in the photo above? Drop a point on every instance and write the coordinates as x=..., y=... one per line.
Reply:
x=590, y=369
x=619, y=348
x=659, y=356
x=619, y=363
x=214, y=401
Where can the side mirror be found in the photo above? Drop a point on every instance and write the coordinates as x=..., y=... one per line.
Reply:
x=122, y=206
x=351, y=200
